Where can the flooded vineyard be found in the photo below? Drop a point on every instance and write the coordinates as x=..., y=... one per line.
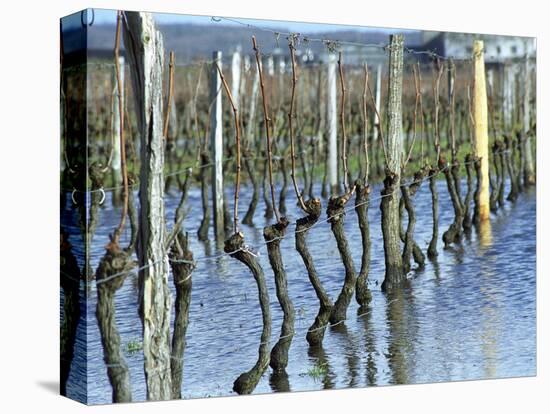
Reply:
x=261, y=221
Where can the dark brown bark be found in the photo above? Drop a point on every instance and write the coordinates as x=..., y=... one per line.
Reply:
x=502, y=166
x=453, y=234
x=312, y=169
x=520, y=145
x=282, y=194
x=247, y=381
x=336, y=214
x=96, y=173
x=324, y=185
x=363, y=295
x=268, y=205
x=249, y=216
x=467, y=220
x=477, y=166
x=133, y=215
x=316, y=331
x=498, y=183
x=181, y=262
x=432, y=248
x=513, y=194
x=227, y=218
x=411, y=247
x=205, y=181
x=114, y=262
x=273, y=235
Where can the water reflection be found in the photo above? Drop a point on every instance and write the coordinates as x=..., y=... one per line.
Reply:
x=447, y=324
x=351, y=351
x=485, y=234
x=278, y=381
x=370, y=344
x=399, y=342
x=318, y=355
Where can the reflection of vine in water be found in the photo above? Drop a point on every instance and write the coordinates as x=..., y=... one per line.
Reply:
x=370, y=347
x=399, y=342
x=70, y=283
x=350, y=351
x=278, y=381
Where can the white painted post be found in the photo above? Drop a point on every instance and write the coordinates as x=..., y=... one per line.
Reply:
x=236, y=76
x=377, y=102
x=216, y=146
x=115, y=127
x=251, y=126
x=270, y=66
x=331, y=120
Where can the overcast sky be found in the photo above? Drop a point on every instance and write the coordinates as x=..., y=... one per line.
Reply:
x=103, y=16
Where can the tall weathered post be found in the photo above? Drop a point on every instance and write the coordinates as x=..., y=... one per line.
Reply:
x=529, y=171
x=115, y=128
x=216, y=146
x=236, y=76
x=378, y=93
x=481, y=133
x=393, y=149
x=332, y=122
x=145, y=52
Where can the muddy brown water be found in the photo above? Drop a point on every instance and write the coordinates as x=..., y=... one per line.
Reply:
x=469, y=315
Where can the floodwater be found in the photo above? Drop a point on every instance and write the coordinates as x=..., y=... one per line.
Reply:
x=469, y=315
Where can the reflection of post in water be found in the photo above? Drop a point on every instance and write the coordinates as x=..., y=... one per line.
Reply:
x=70, y=283
x=397, y=337
x=370, y=345
x=318, y=354
x=484, y=233
x=351, y=351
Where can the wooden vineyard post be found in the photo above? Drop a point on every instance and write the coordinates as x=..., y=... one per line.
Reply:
x=394, y=148
x=216, y=146
x=332, y=122
x=378, y=92
x=145, y=51
x=236, y=77
x=115, y=127
x=481, y=134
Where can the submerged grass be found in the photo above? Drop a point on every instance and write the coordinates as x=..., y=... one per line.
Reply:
x=317, y=371
x=133, y=346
